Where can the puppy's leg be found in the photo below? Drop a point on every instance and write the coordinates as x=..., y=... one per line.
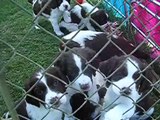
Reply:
x=68, y=118
x=68, y=109
x=69, y=26
x=55, y=15
x=67, y=16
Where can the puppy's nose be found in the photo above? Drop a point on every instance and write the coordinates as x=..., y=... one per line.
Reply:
x=54, y=100
x=125, y=91
x=66, y=7
x=84, y=86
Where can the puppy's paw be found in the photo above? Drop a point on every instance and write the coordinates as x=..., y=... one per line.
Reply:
x=73, y=27
x=67, y=19
x=59, y=33
x=67, y=16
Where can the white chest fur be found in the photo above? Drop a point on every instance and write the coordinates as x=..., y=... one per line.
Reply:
x=38, y=113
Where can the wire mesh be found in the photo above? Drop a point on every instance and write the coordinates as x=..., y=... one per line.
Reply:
x=25, y=49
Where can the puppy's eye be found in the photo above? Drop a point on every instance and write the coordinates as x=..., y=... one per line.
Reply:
x=39, y=91
x=55, y=83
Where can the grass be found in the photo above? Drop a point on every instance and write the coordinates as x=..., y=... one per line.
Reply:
x=37, y=46
x=33, y=46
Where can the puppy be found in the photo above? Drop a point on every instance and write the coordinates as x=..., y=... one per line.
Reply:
x=79, y=16
x=126, y=85
x=97, y=40
x=53, y=10
x=73, y=64
x=45, y=96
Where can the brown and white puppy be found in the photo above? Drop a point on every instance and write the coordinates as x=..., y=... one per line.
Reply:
x=53, y=11
x=45, y=91
x=97, y=40
x=80, y=18
x=127, y=83
x=73, y=64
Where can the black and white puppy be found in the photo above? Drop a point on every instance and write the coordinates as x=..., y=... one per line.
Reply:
x=53, y=11
x=79, y=16
x=126, y=86
x=73, y=64
x=45, y=95
x=97, y=40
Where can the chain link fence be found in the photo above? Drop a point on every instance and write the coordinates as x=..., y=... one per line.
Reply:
x=25, y=49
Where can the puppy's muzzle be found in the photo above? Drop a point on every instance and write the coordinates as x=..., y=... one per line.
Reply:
x=85, y=87
x=55, y=101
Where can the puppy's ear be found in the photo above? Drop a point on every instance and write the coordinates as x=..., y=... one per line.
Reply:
x=62, y=76
x=95, y=63
x=28, y=88
x=89, y=54
x=108, y=66
x=145, y=87
x=149, y=77
x=100, y=14
x=61, y=63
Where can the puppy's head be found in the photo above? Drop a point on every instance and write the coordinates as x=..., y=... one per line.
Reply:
x=63, y=5
x=120, y=70
x=100, y=16
x=126, y=76
x=46, y=88
x=73, y=64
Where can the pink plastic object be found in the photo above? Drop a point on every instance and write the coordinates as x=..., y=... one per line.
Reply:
x=146, y=18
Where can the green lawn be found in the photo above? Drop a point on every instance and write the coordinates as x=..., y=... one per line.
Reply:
x=31, y=47
x=36, y=45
